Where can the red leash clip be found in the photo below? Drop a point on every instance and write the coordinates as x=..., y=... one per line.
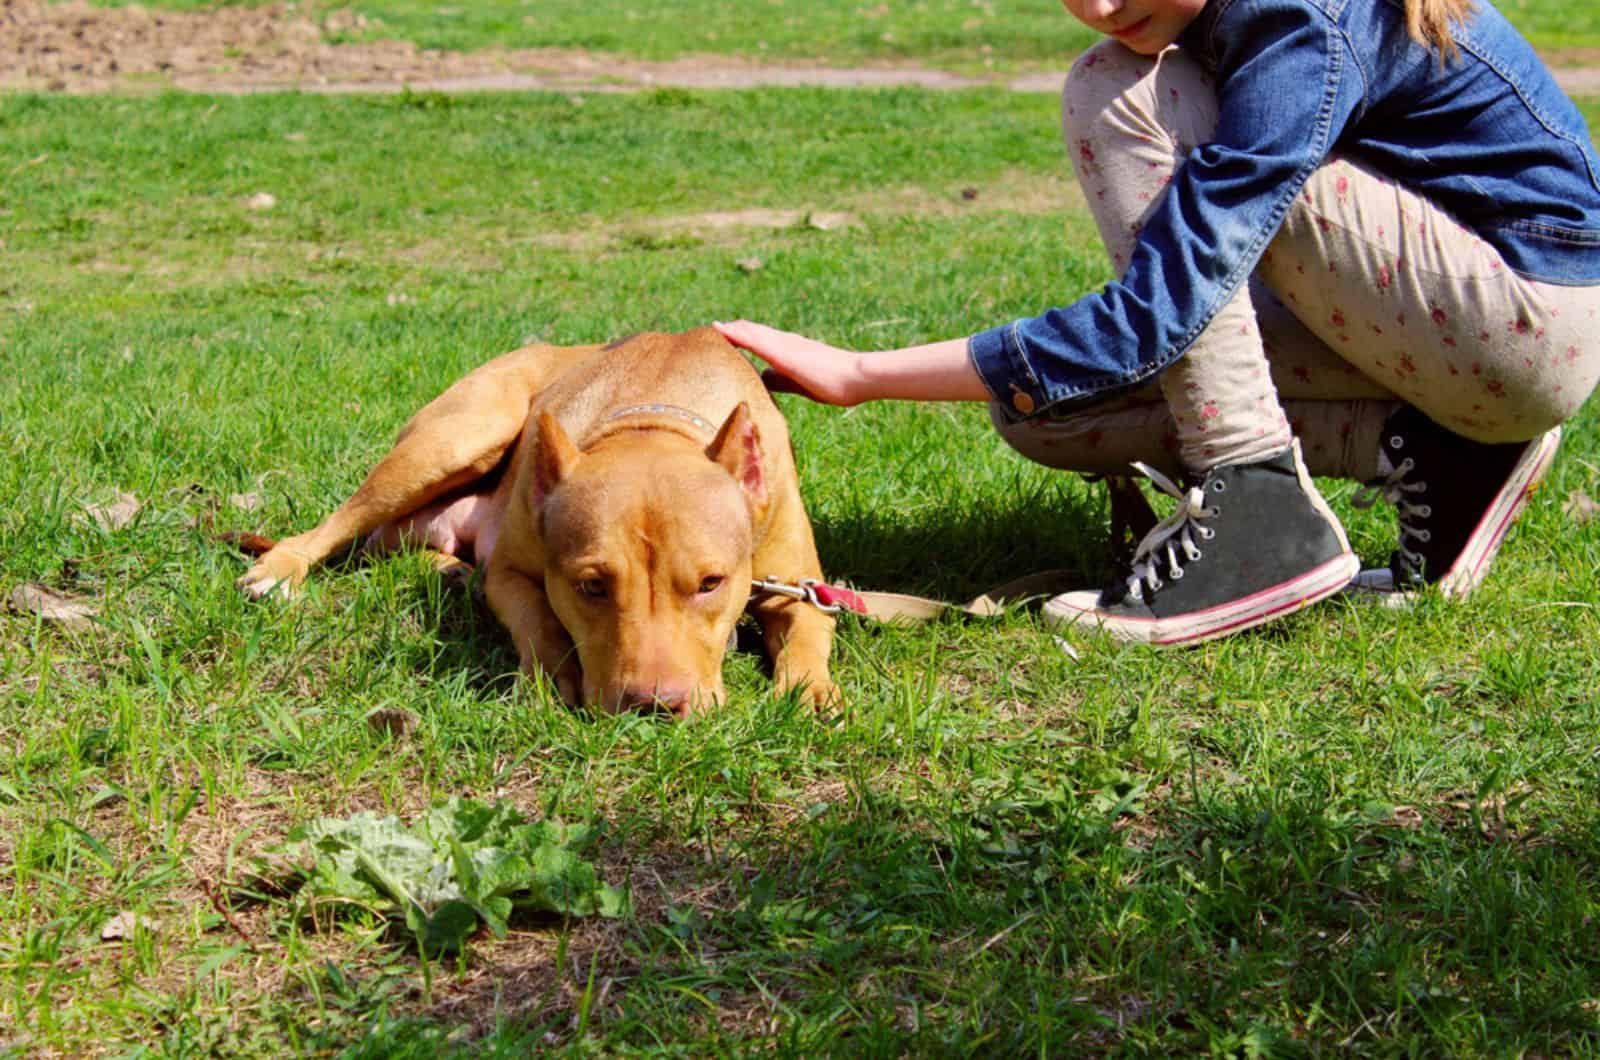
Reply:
x=830, y=599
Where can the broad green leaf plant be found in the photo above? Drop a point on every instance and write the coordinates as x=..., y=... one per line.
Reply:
x=464, y=863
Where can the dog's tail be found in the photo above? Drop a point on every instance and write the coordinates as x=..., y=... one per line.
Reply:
x=246, y=542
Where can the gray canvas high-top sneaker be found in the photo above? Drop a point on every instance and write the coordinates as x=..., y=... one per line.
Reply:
x=1457, y=499
x=1249, y=543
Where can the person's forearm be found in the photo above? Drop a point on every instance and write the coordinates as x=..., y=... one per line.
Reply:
x=938, y=371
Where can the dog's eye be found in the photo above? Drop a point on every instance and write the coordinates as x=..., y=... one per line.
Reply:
x=711, y=583
x=592, y=588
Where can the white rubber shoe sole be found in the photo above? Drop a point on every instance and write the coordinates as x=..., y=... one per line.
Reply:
x=1081, y=609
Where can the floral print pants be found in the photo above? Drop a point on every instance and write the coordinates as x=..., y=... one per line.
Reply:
x=1369, y=296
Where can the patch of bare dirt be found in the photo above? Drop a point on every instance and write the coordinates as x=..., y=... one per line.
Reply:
x=73, y=47
x=78, y=48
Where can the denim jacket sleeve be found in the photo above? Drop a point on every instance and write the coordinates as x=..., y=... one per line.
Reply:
x=1287, y=87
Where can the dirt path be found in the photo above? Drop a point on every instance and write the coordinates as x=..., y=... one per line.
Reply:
x=73, y=47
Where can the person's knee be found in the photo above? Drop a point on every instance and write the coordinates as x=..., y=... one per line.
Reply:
x=1028, y=439
x=1101, y=75
x=1111, y=86
x=1093, y=443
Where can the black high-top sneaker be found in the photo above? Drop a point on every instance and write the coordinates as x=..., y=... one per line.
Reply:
x=1249, y=543
x=1457, y=498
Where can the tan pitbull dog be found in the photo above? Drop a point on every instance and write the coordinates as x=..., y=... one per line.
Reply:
x=620, y=499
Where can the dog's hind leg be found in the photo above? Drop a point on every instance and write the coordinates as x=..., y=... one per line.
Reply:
x=406, y=479
x=453, y=441
x=453, y=534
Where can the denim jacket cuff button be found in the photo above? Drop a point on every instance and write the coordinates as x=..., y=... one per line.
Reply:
x=1021, y=401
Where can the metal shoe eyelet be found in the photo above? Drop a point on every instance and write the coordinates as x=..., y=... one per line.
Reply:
x=1197, y=555
x=1219, y=486
x=1424, y=536
x=1422, y=487
x=1396, y=442
x=1206, y=532
x=1425, y=510
x=1176, y=574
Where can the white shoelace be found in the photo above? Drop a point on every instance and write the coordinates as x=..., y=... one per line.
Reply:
x=1176, y=532
x=1393, y=488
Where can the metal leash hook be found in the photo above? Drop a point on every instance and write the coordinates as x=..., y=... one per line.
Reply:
x=829, y=599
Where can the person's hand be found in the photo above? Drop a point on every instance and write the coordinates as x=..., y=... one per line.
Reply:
x=800, y=365
x=935, y=371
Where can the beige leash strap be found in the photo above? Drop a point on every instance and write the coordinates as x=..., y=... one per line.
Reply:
x=906, y=608
x=1131, y=519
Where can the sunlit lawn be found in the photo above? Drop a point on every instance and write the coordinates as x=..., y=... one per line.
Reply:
x=1358, y=830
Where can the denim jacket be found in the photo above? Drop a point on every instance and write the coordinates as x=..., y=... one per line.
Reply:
x=1489, y=137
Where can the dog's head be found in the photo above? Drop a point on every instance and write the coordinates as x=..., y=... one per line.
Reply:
x=647, y=556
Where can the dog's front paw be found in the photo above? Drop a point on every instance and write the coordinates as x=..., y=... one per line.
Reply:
x=281, y=572
x=569, y=683
x=566, y=678
x=822, y=695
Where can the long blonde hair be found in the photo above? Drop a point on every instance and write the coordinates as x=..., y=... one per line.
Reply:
x=1428, y=22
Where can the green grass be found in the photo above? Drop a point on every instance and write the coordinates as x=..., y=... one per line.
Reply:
x=960, y=34
x=957, y=33
x=1555, y=26
x=1355, y=831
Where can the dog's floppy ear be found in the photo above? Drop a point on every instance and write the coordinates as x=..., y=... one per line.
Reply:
x=553, y=457
x=737, y=448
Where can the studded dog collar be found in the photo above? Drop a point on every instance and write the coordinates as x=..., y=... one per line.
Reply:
x=657, y=409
